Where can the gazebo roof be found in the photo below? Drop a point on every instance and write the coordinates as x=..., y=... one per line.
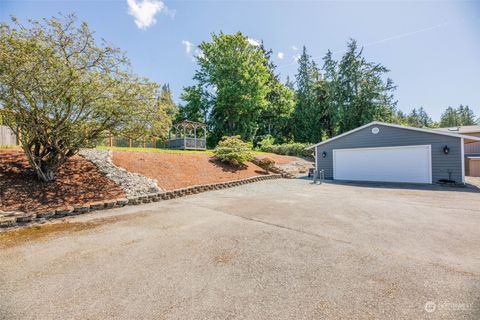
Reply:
x=189, y=124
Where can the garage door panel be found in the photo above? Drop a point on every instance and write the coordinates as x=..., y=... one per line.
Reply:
x=389, y=164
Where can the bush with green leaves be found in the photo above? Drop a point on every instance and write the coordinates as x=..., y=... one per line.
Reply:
x=266, y=141
x=233, y=150
x=288, y=149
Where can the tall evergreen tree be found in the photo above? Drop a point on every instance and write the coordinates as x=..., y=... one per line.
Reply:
x=466, y=116
x=449, y=118
x=306, y=118
x=362, y=94
x=419, y=118
x=290, y=84
x=461, y=116
x=333, y=94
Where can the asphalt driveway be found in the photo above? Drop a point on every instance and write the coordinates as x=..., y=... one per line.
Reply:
x=279, y=249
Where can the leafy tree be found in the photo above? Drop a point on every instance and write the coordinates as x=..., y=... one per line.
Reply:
x=233, y=79
x=400, y=117
x=461, y=116
x=152, y=122
x=62, y=90
x=164, y=112
x=197, y=105
x=274, y=119
x=361, y=93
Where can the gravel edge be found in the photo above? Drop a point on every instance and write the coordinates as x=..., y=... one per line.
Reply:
x=133, y=184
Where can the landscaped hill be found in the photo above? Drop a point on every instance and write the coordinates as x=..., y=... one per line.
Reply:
x=177, y=170
x=78, y=181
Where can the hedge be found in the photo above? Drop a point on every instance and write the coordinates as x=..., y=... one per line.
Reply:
x=288, y=149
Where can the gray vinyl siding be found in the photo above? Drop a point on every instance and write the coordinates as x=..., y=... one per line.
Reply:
x=442, y=164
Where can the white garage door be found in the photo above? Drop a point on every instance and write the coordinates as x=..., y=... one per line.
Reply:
x=389, y=164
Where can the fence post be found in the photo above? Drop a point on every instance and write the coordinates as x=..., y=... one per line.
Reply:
x=129, y=142
x=110, y=140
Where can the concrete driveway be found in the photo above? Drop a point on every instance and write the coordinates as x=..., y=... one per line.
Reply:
x=280, y=249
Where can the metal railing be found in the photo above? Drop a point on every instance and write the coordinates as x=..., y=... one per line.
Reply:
x=187, y=143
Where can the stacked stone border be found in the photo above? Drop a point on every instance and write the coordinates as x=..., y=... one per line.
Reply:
x=16, y=218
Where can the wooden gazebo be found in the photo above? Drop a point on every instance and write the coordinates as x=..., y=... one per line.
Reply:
x=188, y=135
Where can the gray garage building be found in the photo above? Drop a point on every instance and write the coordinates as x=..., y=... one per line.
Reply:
x=393, y=153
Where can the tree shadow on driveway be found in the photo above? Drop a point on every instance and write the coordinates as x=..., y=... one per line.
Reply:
x=469, y=188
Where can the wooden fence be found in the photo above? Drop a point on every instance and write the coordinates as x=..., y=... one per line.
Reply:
x=7, y=137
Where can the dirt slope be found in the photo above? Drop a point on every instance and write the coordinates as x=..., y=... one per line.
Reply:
x=78, y=181
x=179, y=170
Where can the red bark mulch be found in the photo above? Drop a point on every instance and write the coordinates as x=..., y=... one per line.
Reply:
x=180, y=170
x=279, y=159
x=78, y=182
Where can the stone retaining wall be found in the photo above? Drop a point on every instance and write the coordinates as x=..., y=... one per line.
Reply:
x=15, y=218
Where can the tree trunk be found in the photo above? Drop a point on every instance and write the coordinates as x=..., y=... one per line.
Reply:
x=48, y=173
x=45, y=172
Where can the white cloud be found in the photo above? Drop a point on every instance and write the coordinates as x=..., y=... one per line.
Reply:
x=254, y=42
x=188, y=46
x=280, y=55
x=296, y=57
x=294, y=48
x=144, y=11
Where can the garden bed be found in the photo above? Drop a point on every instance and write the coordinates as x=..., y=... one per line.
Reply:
x=179, y=170
x=78, y=182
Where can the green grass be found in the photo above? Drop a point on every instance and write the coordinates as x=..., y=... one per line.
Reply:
x=164, y=150
x=145, y=150
x=154, y=150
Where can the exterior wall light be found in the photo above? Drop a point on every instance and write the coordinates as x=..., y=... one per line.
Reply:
x=446, y=150
x=324, y=154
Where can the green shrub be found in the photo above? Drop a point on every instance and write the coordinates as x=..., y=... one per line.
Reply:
x=233, y=150
x=266, y=163
x=267, y=141
x=288, y=149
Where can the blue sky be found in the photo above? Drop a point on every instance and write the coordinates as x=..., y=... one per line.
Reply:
x=432, y=48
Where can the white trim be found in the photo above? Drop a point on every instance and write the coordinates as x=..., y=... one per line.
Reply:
x=463, y=160
x=390, y=147
x=429, y=146
x=333, y=164
x=316, y=163
x=442, y=133
x=430, y=163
